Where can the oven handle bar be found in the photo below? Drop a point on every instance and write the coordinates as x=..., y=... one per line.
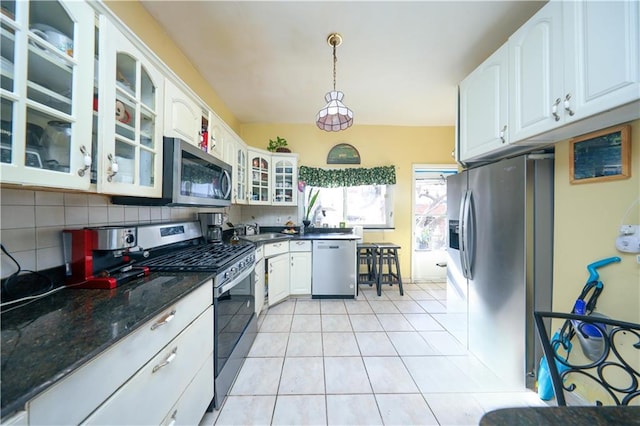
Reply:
x=237, y=280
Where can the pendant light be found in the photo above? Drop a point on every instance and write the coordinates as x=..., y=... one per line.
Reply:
x=334, y=116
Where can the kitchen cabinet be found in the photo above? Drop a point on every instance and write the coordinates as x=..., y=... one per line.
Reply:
x=272, y=178
x=46, y=93
x=259, y=179
x=300, y=274
x=217, y=136
x=277, y=271
x=235, y=154
x=106, y=373
x=240, y=173
x=259, y=280
x=284, y=181
x=564, y=67
x=483, y=108
x=149, y=396
x=182, y=115
x=131, y=96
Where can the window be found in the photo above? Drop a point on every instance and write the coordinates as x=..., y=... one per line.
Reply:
x=370, y=206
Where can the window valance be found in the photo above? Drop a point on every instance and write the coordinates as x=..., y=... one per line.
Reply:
x=334, y=178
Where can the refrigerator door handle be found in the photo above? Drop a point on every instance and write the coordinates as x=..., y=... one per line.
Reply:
x=466, y=235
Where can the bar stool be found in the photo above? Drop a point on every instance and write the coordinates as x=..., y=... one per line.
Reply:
x=367, y=257
x=388, y=254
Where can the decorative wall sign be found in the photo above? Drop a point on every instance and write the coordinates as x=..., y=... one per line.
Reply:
x=343, y=153
x=601, y=156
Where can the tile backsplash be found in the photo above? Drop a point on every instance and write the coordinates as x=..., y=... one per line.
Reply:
x=32, y=222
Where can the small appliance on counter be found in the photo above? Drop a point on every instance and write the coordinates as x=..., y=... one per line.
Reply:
x=98, y=257
x=211, y=226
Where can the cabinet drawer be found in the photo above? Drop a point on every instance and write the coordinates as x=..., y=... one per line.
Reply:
x=274, y=249
x=149, y=395
x=259, y=253
x=297, y=245
x=69, y=402
x=193, y=403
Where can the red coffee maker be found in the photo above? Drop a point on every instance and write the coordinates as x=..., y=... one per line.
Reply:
x=98, y=257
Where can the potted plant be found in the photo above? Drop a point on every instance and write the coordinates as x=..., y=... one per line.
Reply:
x=278, y=145
x=311, y=200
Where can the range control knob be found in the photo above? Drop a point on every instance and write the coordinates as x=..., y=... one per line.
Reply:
x=129, y=239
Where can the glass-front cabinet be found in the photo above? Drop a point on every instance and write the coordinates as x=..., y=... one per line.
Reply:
x=284, y=180
x=130, y=157
x=259, y=177
x=240, y=171
x=46, y=92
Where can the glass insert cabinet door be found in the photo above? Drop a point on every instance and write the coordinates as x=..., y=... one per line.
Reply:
x=131, y=146
x=46, y=87
x=241, y=174
x=284, y=181
x=259, y=179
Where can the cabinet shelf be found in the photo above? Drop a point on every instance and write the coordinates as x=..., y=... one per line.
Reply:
x=48, y=97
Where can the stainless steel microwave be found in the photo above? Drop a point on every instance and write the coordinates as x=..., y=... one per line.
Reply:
x=190, y=177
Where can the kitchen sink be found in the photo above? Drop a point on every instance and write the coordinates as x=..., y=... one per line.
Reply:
x=260, y=238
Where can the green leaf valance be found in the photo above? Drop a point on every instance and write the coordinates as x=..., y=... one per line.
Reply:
x=333, y=178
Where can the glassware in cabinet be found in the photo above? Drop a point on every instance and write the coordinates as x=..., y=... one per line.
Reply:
x=131, y=148
x=45, y=124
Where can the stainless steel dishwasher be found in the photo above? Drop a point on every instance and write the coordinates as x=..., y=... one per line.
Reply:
x=334, y=269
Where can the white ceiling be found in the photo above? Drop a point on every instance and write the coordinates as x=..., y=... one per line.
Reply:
x=399, y=63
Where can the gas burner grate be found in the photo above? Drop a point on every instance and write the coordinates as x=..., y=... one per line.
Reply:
x=205, y=257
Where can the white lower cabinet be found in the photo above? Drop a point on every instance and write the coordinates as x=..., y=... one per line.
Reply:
x=300, y=274
x=278, y=277
x=188, y=410
x=107, y=377
x=259, y=279
x=147, y=396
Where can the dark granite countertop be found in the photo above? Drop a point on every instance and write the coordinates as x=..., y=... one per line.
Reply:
x=547, y=416
x=47, y=339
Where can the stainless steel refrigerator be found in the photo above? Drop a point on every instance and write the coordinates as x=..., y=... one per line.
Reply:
x=500, y=257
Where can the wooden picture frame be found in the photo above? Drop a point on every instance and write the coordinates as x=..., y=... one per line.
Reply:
x=601, y=156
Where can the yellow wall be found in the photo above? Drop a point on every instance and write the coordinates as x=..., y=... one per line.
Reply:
x=149, y=31
x=587, y=220
x=378, y=146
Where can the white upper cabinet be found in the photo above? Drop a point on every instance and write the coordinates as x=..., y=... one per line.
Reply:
x=284, y=175
x=217, y=135
x=46, y=90
x=483, y=108
x=570, y=61
x=182, y=115
x=131, y=96
x=602, y=56
x=236, y=155
x=259, y=179
x=536, y=73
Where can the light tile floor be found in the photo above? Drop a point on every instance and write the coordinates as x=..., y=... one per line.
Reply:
x=371, y=361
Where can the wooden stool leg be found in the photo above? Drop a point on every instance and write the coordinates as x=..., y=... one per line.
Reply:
x=395, y=255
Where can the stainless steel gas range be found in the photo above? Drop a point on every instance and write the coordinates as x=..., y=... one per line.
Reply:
x=179, y=247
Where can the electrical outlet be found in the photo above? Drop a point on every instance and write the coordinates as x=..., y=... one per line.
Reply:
x=278, y=219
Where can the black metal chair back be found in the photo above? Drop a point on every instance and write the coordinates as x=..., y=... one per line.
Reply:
x=595, y=358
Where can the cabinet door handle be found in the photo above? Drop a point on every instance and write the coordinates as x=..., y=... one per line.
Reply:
x=87, y=161
x=502, y=133
x=164, y=320
x=113, y=168
x=567, y=104
x=168, y=360
x=554, y=110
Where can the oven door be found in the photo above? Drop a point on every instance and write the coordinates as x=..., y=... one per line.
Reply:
x=235, y=328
